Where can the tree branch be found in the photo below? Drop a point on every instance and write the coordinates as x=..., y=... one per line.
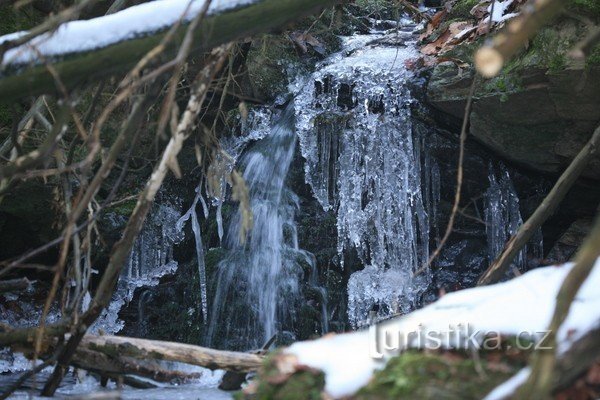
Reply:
x=497, y=270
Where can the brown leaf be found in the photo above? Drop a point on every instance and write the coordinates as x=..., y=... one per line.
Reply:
x=437, y=45
x=303, y=40
x=480, y=10
x=437, y=18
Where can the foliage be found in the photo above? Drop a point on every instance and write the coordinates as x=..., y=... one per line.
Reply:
x=589, y=7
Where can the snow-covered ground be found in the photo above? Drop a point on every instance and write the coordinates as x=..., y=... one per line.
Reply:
x=522, y=307
x=140, y=20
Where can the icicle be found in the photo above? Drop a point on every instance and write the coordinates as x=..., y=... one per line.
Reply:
x=201, y=265
x=502, y=215
x=204, y=206
x=355, y=129
x=199, y=246
x=220, y=220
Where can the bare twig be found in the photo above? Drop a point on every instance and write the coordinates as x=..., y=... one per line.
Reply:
x=459, y=178
x=122, y=248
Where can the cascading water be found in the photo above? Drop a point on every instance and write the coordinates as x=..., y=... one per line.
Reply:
x=362, y=160
x=258, y=281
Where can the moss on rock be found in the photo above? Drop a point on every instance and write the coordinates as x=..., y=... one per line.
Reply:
x=462, y=9
x=271, y=384
x=419, y=375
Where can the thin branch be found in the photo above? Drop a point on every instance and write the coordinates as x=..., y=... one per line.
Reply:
x=490, y=59
x=459, y=177
x=540, y=380
x=568, y=178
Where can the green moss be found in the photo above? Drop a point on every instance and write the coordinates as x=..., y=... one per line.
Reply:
x=6, y=116
x=594, y=57
x=549, y=49
x=504, y=84
x=267, y=62
x=418, y=375
x=125, y=208
x=462, y=9
x=306, y=384
x=591, y=8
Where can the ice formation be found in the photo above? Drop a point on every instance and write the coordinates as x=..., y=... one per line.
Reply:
x=363, y=160
x=503, y=218
x=151, y=258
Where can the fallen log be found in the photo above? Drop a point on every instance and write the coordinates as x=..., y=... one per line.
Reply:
x=145, y=349
x=118, y=365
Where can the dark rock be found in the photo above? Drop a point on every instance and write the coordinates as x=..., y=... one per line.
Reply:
x=539, y=112
x=564, y=249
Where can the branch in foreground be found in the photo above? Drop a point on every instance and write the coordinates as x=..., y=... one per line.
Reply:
x=110, y=58
x=497, y=270
x=540, y=381
x=14, y=285
x=144, y=349
x=490, y=59
x=122, y=248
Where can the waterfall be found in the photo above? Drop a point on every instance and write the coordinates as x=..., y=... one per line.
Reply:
x=363, y=161
x=258, y=281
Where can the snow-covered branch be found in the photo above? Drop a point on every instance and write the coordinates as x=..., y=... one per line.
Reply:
x=83, y=51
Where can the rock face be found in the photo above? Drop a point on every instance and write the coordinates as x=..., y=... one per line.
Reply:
x=533, y=117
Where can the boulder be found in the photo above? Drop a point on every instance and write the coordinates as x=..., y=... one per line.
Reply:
x=540, y=119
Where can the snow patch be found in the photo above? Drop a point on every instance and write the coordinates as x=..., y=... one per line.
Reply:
x=523, y=305
x=140, y=20
x=510, y=386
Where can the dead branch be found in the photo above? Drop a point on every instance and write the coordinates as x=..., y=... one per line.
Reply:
x=118, y=364
x=216, y=29
x=144, y=349
x=490, y=59
x=41, y=154
x=459, y=178
x=499, y=267
x=586, y=46
x=122, y=248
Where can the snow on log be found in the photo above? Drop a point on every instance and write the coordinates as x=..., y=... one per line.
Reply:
x=520, y=308
x=83, y=51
